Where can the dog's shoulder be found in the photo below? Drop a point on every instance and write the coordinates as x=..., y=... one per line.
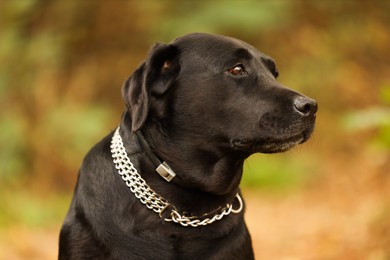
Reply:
x=97, y=173
x=99, y=154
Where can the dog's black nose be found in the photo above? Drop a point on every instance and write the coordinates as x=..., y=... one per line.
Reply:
x=305, y=106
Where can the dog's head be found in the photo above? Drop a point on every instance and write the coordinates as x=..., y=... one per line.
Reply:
x=219, y=91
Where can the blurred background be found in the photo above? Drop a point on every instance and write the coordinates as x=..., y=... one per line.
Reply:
x=62, y=65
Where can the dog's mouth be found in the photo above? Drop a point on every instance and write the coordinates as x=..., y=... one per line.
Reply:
x=271, y=145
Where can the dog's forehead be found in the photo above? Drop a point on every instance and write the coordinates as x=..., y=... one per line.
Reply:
x=209, y=46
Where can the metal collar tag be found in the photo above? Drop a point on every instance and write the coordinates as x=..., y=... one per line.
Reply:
x=165, y=171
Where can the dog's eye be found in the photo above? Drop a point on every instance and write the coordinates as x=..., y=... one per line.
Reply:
x=237, y=70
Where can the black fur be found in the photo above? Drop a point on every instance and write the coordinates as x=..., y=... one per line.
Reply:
x=204, y=116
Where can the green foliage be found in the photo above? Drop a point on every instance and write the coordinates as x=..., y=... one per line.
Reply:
x=278, y=172
x=244, y=17
x=384, y=94
x=377, y=118
x=47, y=120
x=372, y=117
x=23, y=208
x=12, y=140
x=79, y=127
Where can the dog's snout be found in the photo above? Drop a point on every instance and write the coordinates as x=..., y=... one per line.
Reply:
x=305, y=106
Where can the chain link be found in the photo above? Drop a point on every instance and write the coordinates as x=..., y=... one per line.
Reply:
x=150, y=198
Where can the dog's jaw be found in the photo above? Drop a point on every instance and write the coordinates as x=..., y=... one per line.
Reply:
x=271, y=145
x=275, y=146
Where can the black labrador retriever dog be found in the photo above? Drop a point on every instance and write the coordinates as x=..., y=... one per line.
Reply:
x=165, y=183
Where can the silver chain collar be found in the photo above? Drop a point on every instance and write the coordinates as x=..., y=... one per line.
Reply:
x=150, y=198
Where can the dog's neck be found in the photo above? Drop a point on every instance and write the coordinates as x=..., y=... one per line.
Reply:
x=199, y=166
x=203, y=172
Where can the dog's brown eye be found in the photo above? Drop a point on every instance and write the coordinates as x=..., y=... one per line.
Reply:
x=237, y=70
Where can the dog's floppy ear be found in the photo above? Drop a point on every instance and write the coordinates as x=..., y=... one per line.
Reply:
x=153, y=77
